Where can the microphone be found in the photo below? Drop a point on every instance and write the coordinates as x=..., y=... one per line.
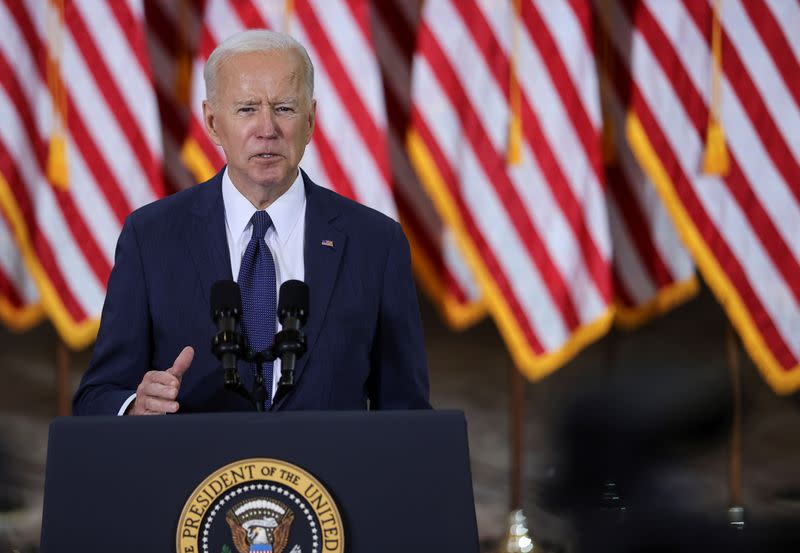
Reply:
x=226, y=308
x=290, y=343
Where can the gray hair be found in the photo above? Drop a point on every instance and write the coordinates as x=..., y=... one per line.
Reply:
x=255, y=40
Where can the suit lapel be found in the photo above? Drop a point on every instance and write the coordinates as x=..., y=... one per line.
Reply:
x=205, y=237
x=324, y=247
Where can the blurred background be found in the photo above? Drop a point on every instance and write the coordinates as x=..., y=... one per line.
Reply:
x=602, y=200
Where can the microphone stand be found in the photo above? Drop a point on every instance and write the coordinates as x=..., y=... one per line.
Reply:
x=259, y=395
x=289, y=340
x=286, y=341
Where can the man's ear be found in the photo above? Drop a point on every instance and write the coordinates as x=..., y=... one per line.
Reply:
x=210, y=120
x=312, y=119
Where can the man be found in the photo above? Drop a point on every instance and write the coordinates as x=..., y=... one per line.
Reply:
x=364, y=336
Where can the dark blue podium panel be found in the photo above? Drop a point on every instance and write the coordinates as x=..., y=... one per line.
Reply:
x=401, y=480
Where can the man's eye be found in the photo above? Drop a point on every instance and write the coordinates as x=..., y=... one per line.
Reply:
x=284, y=109
x=246, y=110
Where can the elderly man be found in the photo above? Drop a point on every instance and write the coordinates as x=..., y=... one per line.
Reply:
x=260, y=221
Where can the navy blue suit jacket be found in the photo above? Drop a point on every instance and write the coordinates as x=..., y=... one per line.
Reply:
x=363, y=332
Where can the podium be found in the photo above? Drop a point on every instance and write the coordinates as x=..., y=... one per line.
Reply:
x=287, y=482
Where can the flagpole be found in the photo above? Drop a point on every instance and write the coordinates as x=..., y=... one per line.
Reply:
x=63, y=385
x=517, y=538
x=736, y=502
x=516, y=413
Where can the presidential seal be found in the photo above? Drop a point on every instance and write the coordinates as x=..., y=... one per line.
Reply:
x=260, y=505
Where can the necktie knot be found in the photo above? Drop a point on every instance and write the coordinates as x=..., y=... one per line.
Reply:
x=261, y=222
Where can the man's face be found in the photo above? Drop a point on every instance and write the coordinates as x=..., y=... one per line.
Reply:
x=262, y=118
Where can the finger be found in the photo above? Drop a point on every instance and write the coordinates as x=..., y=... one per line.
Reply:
x=139, y=408
x=160, y=377
x=157, y=390
x=182, y=362
x=158, y=405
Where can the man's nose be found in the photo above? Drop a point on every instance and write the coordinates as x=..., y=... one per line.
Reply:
x=267, y=124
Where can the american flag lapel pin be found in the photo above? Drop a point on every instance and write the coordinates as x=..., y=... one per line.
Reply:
x=327, y=243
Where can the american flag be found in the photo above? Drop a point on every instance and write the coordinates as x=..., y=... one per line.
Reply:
x=80, y=145
x=20, y=308
x=535, y=233
x=439, y=266
x=653, y=270
x=743, y=225
x=173, y=31
x=348, y=152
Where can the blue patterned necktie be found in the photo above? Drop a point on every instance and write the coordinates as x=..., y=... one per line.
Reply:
x=259, y=296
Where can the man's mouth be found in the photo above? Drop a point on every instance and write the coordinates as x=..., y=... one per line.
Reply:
x=265, y=156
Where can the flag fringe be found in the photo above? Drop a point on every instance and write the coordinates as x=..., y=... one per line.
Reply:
x=782, y=381
x=20, y=319
x=76, y=334
x=533, y=365
x=457, y=315
x=665, y=300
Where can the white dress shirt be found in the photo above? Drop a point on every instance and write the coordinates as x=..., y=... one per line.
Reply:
x=285, y=239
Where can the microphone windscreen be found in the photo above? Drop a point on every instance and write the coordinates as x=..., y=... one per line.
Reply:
x=293, y=297
x=225, y=295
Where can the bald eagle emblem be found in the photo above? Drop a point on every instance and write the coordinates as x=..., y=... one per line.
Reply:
x=260, y=505
x=260, y=525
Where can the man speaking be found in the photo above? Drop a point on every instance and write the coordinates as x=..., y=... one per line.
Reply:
x=261, y=221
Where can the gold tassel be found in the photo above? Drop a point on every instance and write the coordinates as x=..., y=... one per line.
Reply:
x=514, y=146
x=57, y=167
x=288, y=10
x=514, y=153
x=715, y=160
x=57, y=161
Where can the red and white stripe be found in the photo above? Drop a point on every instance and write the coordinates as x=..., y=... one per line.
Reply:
x=18, y=294
x=440, y=266
x=536, y=233
x=653, y=270
x=113, y=144
x=173, y=30
x=348, y=152
x=743, y=229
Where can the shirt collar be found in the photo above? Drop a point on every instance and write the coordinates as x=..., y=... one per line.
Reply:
x=284, y=212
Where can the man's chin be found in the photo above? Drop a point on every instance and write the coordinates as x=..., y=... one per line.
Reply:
x=271, y=179
x=267, y=175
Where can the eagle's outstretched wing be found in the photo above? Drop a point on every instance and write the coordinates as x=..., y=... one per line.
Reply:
x=280, y=536
x=239, y=535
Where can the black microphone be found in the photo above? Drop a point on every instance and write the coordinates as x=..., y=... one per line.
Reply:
x=290, y=343
x=227, y=346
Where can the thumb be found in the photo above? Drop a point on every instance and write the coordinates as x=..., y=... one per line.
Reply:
x=182, y=362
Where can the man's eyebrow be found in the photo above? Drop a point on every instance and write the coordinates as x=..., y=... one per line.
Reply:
x=247, y=102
